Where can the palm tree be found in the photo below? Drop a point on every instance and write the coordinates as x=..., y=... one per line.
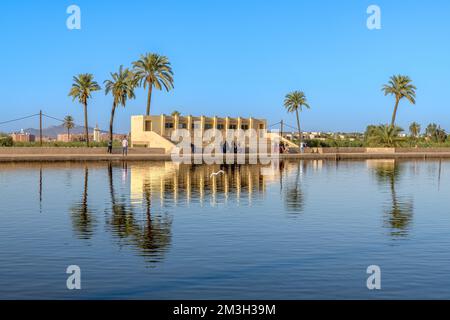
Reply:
x=441, y=134
x=414, y=129
x=175, y=113
x=82, y=88
x=153, y=70
x=121, y=87
x=431, y=130
x=68, y=124
x=294, y=102
x=400, y=87
x=385, y=136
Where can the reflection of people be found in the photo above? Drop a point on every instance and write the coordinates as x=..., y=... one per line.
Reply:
x=109, y=146
x=125, y=147
x=124, y=171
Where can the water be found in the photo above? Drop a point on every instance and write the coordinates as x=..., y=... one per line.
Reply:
x=155, y=230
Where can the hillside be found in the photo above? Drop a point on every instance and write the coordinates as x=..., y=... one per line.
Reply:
x=53, y=131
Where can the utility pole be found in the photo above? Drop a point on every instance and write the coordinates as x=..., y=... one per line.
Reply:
x=40, y=127
x=281, y=130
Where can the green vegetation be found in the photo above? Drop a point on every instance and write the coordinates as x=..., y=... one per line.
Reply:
x=400, y=87
x=153, y=70
x=5, y=140
x=414, y=130
x=383, y=136
x=294, y=102
x=334, y=143
x=121, y=86
x=82, y=88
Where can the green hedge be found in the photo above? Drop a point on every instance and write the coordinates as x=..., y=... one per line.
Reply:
x=5, y=140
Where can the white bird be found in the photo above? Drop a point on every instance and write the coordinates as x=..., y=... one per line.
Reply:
x=214, y=174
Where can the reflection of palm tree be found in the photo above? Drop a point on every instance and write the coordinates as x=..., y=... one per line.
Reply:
x=122, y=219
x=294, y=195
x=400, y=213
x=83, y=221
x=156, y=235
x=153, y=238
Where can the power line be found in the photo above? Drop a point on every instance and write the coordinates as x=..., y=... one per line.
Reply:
x=45, y=115
x=18, y=119
x=273, y=125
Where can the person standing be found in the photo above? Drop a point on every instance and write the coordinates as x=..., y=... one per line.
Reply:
x=110, y=147
x=125, y=147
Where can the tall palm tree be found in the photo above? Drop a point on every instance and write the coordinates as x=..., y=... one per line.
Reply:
x=294, y=102
x=121, y=86
x=153, y=70
x=82, y=88
x=414, y=129
x=68, y=124
x=400, y=87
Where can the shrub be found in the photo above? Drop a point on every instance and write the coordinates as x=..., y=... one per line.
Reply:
x=5, y=140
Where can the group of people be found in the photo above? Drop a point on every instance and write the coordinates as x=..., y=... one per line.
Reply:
x=226, y=148
x=233, y=148
x=124, y=146
x=284, y=148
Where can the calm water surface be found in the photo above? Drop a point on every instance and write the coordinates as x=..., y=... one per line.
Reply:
x=306, y=230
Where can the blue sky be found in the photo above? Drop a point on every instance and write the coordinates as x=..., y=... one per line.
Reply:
x=231, y=58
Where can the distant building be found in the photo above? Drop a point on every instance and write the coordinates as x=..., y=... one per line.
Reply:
x=80, y=137
x=97, y=137
x=23, y=137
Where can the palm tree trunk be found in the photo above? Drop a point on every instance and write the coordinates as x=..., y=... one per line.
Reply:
x=86, y=126
x=111, y=122
x=149, y=98
x=394, y=115
x=68, y=135
x=299, y=131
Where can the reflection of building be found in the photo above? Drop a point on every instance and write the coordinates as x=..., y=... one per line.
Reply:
x=194, y=183
x=380, y=163
x=156, y=131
